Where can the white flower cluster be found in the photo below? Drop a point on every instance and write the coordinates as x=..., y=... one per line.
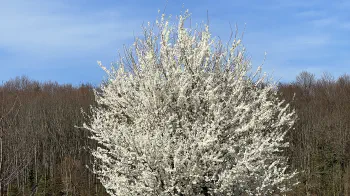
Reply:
x=189, y=120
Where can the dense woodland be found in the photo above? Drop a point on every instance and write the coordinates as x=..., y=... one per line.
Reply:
x=43, y=153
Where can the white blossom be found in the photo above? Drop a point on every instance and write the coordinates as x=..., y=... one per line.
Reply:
x=188, y=120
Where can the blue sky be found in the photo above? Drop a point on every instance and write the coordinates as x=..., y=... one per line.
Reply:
x=61, y=40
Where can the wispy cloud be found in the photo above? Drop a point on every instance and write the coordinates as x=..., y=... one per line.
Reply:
x=30, y=30
x=330, y=22
x=310, y=13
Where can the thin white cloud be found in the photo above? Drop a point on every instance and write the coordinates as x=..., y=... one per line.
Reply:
x=55, y=29
x=346, y=25
x=331, y=22
x=310, y=14
x=324, y=22
x=279, y=5
x=286, y=52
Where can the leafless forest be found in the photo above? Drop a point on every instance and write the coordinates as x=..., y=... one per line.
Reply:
x=43, y=153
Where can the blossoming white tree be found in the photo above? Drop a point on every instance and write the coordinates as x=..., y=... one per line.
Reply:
x=189, y=119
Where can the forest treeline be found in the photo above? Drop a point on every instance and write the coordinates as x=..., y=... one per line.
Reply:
x=43, y=153
x=320, y=140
